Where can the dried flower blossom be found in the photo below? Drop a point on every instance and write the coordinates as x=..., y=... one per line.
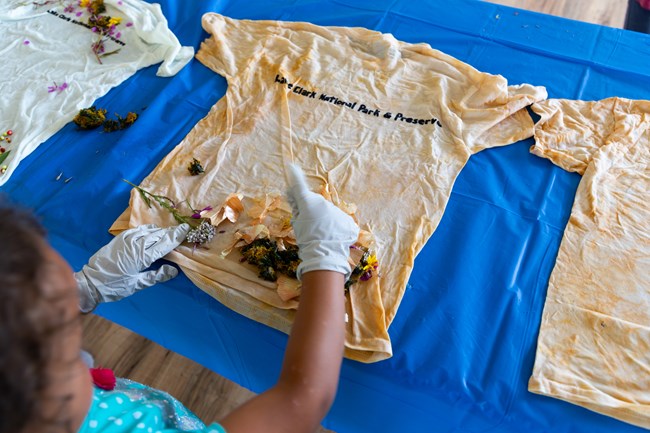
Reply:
x=201, y=234
x=103, y=25
x=270, y=261
x=195, y=167
x=120, y=123
x=90, y=118
x=95, y=7
x=365, y=267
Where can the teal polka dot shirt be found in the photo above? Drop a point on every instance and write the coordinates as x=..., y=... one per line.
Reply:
x=134, y=408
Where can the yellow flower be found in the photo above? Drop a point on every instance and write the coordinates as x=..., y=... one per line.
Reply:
x=84, y=3
x=371, y=263
x=114, y=21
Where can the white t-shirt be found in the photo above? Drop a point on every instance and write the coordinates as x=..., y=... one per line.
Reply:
x=594, y=343
x=387, y=124
x=50, y=45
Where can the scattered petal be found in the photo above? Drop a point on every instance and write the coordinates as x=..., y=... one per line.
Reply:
x=288, y=288
x=229, y=210
x=246, y=236
x=262, y=207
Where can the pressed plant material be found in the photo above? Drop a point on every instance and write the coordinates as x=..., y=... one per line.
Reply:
x=364, y=269
x=121, y=122
x=195, y=167
x=270, y=261
x=90, y=118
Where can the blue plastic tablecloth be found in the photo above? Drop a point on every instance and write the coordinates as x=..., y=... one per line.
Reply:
x=465, y=335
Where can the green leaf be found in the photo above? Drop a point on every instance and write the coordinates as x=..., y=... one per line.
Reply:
x=146, y=199
x=4, y=156
x=142, y=192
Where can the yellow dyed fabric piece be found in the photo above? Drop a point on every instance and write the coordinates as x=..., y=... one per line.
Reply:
x=594, y=343
x=386, y=124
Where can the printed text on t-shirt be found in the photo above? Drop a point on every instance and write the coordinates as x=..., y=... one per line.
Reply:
x=80, y=23
x=354, y=105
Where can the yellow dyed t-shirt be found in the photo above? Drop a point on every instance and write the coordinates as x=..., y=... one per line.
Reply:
x=387, y=124
x=594, y=343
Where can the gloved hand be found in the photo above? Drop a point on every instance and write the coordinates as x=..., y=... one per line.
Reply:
x=324, y=232
x=114, y=271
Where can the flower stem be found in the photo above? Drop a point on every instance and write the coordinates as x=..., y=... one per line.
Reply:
x=166, y=203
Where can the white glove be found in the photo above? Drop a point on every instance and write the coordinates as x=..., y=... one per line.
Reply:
x=114, y=271
x=324, y=232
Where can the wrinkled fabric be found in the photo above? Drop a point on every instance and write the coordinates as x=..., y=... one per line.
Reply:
x=133, y=407
x=594, y=343
x=46, y=46
x=387, y=125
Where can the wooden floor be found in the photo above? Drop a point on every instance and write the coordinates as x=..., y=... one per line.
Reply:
x=609, y=13
x=209, y=395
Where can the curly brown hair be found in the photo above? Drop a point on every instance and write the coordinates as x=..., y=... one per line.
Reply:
x=23, y=357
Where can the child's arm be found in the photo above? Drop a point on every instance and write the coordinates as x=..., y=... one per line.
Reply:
x=312, y=362
x=310, y=372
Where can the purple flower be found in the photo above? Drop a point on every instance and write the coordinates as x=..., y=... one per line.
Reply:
x=79, y=13
x=94, y=29
x=198, y=214
x=118, y=35
x=69, y=9
x=129, y=24
x=120, y=3
x=26, y=42
x=56, y=87
x=366, y=276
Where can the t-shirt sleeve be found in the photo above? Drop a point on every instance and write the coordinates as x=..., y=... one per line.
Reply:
x=232, y=43
x=569, y=132
x=495, y=114
x=152, y=28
